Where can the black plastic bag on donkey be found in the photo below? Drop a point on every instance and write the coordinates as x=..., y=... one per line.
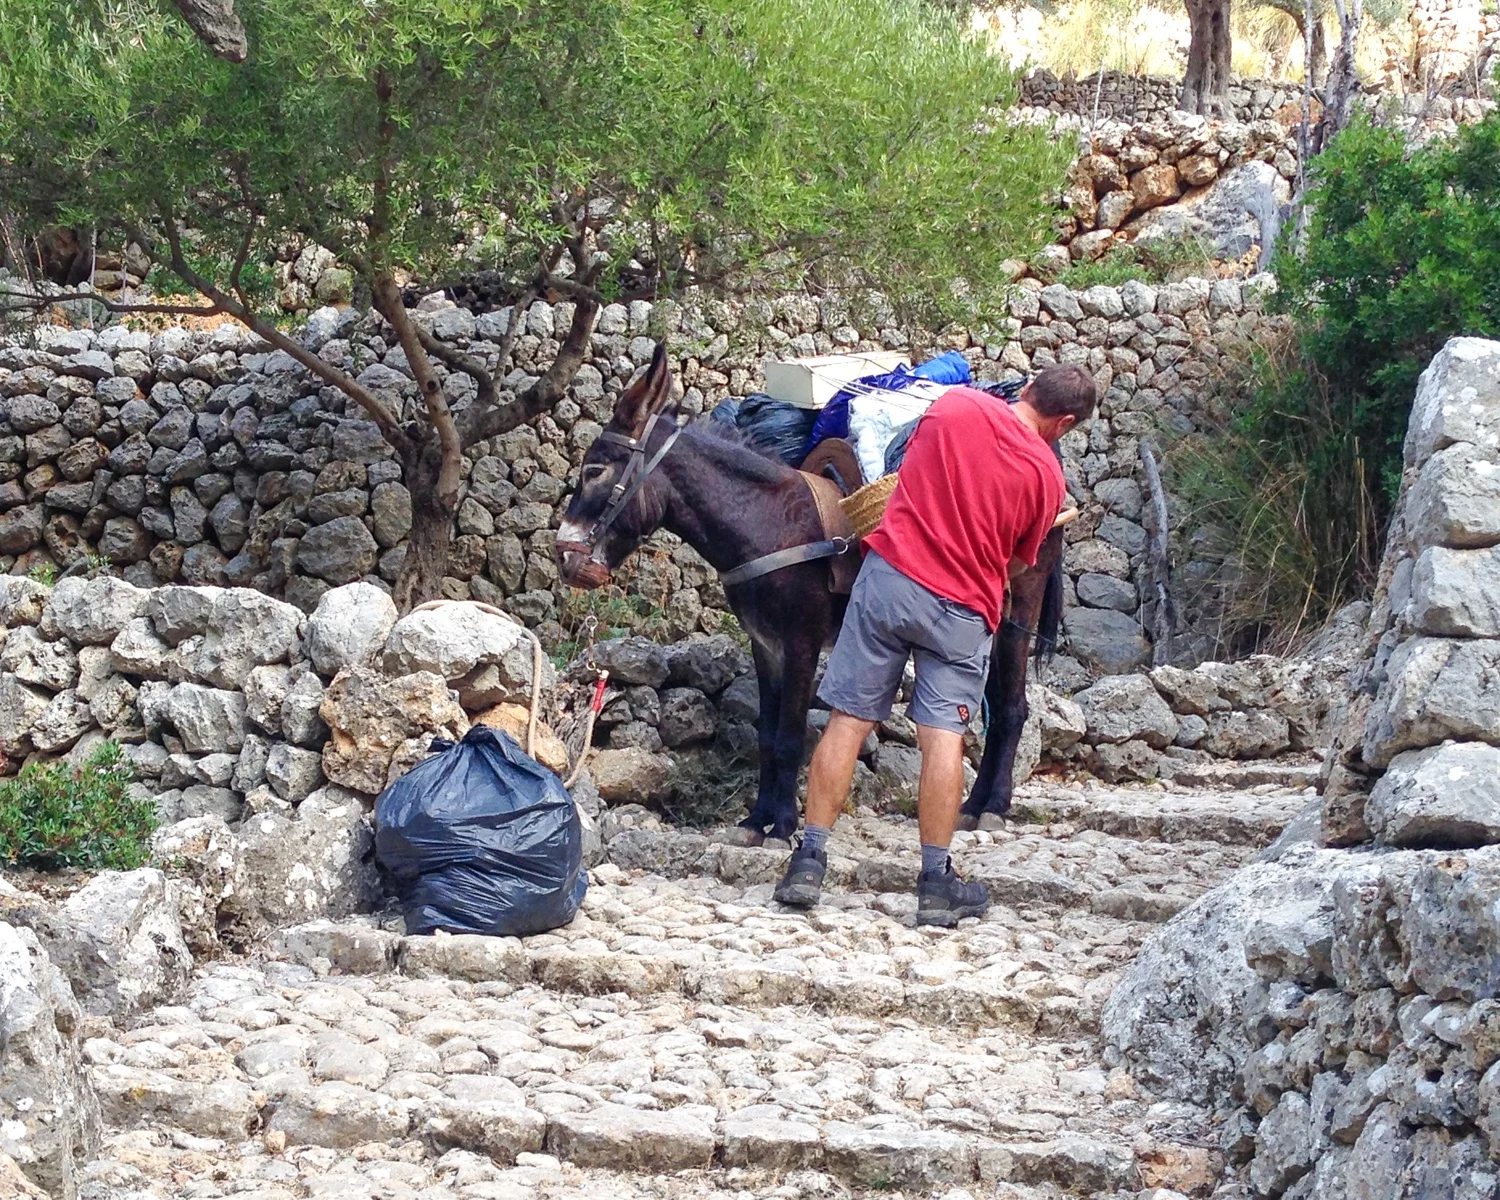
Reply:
x=481, y=838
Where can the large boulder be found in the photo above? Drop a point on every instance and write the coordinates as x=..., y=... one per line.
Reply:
x=1187, y=1012
x=33, y=660
x=632, y=661
x=213, y=898
x=20, y=709
x=349, y=626
x=317, y=863
x=456, y=638
x=1256, y=733
x=1122, y=708
x=246, y=629
x=49, y=1116
x=117, y=939
x=1445, y=797
x=91, y=612
x=379, y=727
x=1106, y=641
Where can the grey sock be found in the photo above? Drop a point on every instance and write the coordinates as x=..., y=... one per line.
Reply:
x=934, y=859
x=815, y=837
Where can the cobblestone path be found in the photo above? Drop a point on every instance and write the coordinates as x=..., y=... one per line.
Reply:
x=686, y=1037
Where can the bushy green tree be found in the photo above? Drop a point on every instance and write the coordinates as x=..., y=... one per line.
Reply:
x=594, y=149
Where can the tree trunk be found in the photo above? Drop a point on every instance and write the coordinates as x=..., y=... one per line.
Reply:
x=1343, y=79
x=1319, y=68
x=421, y=577
x=1205, y=87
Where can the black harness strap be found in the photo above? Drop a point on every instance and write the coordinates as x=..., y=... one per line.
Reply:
x=789, y=557
x=636, y=472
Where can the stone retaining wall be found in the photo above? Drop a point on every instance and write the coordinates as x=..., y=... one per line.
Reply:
x=198, y=457
x=1340, y=1006
x=1142, y=97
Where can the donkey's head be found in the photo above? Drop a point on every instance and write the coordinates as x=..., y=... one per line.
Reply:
x=585, y=554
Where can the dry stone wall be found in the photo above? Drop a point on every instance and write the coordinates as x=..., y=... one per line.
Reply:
x=1137, y=97
x=1339, y=1005
x=202, y=458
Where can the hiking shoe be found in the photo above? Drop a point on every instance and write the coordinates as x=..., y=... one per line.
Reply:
x=945, y=899
x=802, y=885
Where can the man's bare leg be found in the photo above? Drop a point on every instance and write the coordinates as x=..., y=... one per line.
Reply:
x=941, y=789
x=942, y=897
x=832, y=769
x=828, y=781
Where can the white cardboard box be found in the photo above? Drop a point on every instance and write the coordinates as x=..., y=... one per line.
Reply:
x=813, y=382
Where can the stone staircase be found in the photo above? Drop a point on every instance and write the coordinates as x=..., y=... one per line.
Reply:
x=685, y=1036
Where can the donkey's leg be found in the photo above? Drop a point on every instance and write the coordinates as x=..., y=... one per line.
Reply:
x=1005, y=694
x=768, y=676
x=801, y=665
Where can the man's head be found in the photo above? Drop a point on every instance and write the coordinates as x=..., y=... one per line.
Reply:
x=1059, y=398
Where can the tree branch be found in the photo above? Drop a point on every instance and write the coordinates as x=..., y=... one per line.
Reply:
x=480, y=424
x=389, y=426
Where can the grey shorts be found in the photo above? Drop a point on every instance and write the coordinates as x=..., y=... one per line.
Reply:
x=891, y=617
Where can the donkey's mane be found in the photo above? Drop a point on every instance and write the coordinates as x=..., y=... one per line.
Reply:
x=739, y=439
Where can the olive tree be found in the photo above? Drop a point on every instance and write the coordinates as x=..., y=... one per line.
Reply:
x=588, y=150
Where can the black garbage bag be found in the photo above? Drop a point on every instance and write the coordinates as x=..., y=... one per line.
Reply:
x=776, y=428
x=480, y=838
x=725, y=412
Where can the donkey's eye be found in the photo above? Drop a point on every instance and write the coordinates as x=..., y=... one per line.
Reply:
x=593, y=472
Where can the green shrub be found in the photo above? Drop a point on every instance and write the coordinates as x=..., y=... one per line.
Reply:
x=56, y=816
x=1402, y=252
x=1156, y=261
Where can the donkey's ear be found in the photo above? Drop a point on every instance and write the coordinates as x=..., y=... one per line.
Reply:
x=647, y=395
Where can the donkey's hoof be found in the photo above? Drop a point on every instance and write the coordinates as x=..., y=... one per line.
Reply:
x=967, y=823
x=991, y=822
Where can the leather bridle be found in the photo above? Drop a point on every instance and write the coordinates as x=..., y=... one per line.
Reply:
x=632, y=479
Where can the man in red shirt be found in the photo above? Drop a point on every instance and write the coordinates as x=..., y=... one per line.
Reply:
x=980, y=486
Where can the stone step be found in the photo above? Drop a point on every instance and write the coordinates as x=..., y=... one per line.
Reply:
x=436, y=1067
x=1233, y=818
x=1295, y=777
x=1117, y=871
x=1035, y=991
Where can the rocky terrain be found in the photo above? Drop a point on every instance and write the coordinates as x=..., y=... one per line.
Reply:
x=683, y=1037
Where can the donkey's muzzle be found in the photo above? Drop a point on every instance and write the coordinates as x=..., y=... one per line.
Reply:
x=578, y=567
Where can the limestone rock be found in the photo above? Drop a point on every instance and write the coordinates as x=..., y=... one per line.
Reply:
x=513, y=719
x=1449, y=927
x=49, y=1117
x=371, y=717
x=1062, y=721
x=22, y=600
x=1456, y=593
x=62, y=723
x=1457, y=400
x=1180, y=1018
x=131, y=1096
x=178, y=613
x=1434, y=689
x=340, y=551
x=634, y=661
x=618, y=1138
x=453, y=638
x=1192, y=692
x=318, y=863
x=209, y=874
x=1125, y=707
x=1455, y=501
x=630, y=775
x=1445, y=797
x=207, y=719
x=1259, y=733
x=350, y=624
x=20, y=709
x=50, y=665
x=245, y=629
x=91, y=612
x=1107, y=641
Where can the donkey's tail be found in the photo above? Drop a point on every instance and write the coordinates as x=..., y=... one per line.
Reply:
x=1050, y=619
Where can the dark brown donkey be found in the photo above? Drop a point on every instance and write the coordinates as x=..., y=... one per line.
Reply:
x=732, y=504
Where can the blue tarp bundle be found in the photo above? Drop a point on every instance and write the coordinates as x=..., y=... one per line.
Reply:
x=833, y=419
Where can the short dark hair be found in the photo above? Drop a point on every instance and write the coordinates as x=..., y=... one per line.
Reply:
x=1064, y=391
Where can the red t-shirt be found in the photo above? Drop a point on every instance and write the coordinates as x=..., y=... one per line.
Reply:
x=978, y=488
